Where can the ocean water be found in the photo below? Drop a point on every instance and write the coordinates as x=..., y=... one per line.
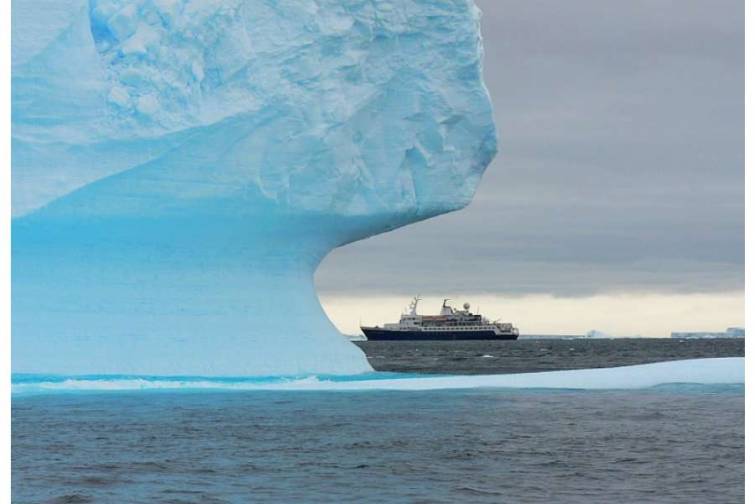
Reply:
x=534, y=354
x=321, y=439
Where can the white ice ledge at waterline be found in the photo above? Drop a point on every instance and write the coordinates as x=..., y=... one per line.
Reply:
x=728, y=370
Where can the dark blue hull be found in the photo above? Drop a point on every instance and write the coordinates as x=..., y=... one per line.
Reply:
x=377, y=334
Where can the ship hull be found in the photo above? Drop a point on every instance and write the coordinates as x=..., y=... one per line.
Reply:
x=377, y=334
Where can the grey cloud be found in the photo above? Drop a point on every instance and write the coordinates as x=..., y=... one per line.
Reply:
x=621, y=162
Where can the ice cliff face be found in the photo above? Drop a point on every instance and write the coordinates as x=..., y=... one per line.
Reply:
x=180, y=168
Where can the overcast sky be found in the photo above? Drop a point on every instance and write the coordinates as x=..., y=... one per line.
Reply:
x=620, y=166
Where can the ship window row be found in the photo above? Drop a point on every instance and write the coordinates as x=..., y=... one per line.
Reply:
x=451, y=328
x=460, y=324
x=447, y=326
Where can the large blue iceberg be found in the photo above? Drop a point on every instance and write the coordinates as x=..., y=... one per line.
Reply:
x=181, y=167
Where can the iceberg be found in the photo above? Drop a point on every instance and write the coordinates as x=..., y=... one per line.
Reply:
x=181, y=167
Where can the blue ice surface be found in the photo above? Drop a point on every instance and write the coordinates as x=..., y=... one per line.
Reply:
x=180, y=169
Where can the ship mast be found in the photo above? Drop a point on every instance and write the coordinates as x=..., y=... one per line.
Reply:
x=413, y=305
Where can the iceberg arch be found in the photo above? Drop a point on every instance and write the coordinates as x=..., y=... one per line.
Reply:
x=181, y=167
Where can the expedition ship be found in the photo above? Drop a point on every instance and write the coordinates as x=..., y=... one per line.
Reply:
x=451, y=324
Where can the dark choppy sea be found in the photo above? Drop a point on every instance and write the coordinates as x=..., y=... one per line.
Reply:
x=671, y=443
x=530, y=354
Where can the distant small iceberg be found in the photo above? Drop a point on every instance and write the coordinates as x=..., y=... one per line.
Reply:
x=731, y=332
x=595, y=334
